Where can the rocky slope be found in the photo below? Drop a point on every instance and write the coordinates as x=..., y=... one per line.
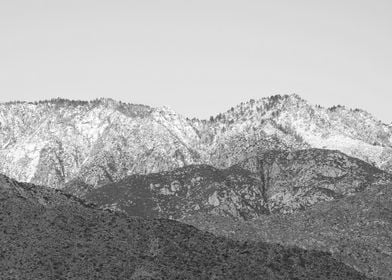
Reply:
x=274, y=181
x=47, y=235
x=185, y=191
x=98, y=142
x=296, y=180
x=356, y=229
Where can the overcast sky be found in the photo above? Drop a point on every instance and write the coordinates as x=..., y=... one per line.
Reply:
x=198, y=57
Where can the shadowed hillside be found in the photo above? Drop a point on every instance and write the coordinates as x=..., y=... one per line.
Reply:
x=48, y=235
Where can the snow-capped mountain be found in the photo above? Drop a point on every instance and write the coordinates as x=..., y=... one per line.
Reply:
x=60, y=141
x=290, y=122
x=53, y=142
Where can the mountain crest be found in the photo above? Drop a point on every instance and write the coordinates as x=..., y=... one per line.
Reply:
x=57, y=141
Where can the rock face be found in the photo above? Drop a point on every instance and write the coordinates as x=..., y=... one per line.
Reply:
x=47, y=235
x=272, y=182
x=356, y=230
x=186, y=191
x=94, y=143
x=296, y=180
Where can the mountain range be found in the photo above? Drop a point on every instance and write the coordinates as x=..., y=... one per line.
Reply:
x=112, y=190
x=59, y=142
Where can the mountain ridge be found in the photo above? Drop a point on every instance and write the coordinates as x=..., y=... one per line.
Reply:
x=102, y=141
x=109, y=100
x=273, y=182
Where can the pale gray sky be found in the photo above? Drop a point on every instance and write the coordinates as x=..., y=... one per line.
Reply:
x=198, y=57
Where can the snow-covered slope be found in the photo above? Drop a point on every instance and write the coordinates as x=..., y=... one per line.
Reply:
x=61, y=141
x=53, y=142
x=292, y=123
